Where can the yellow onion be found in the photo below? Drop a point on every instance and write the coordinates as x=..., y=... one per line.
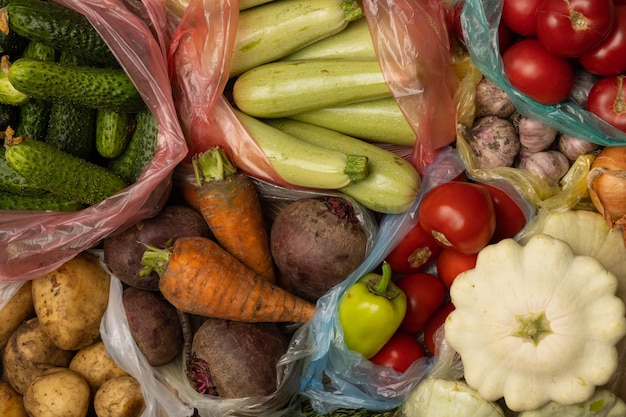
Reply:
x=607, y=185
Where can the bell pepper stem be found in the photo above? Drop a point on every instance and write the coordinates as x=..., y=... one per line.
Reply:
x=380, y=284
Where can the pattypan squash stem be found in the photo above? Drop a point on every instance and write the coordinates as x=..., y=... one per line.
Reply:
x=533, y=327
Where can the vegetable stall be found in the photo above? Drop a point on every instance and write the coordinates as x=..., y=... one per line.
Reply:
x=312, y=208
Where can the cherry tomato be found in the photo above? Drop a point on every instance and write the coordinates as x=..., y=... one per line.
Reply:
x=425, y=293
x=510, y=218
x=399, y=352
x=435, y=322
x=414, y=252
x=537, y=73
x=460, y=215
x=609, y=57
x=571, y=28
x=607, y=100
x=519, y=16
x=451, y=263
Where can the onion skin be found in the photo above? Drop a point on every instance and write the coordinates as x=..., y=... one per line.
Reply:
x=607, y=185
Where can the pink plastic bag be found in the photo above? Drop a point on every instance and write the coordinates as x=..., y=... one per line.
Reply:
x=34, y=243
x=411, y=40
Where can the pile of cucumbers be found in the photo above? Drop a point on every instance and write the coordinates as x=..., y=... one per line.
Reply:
x=74, y=126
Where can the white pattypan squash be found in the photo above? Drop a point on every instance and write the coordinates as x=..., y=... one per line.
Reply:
x=437, y=397
x=588, y=234
x=536, y=323
x=603, y=404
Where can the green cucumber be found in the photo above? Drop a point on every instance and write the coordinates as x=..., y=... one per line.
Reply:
x=113, y=130
x=304, y=164
x=11, y=43
x=392, y=184
x=13, y=182
x=71, y=126
x=140, y=148
x=274, y=30
x=8, y=93
x=285, y=88
x=108, y=88
x=354, y=42
x=34, y=114
x=378, y=120
x=60, y=27
x=46, y=201
x=61, y=173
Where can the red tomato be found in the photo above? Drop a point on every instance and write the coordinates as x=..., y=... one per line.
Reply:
x=510, y=218
x=414, y=252
x=573, y=27
x=537, y=73
x=519, y=16
x=435, y=322
x=451, y=263
x=399, y=352
x=609, y=57
x=460, y=215
x=425, y=293
x=607, y=100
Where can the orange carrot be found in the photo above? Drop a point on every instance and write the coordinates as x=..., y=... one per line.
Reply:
x=229, y=203
x=200, y=277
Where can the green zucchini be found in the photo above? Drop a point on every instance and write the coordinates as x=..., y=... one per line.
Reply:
x=71, y=126
x=285, y=88
x=13, y=182
x=61, y=173
x=304, y=164
x=46, y=201
x=8, y=93
x=392, y=184
x=34, y=114
x=60, y=27
x=379, y=120
x=274, y=30
x=107, y=88
x=140, y=148
x=113, y=130
x=354, y=42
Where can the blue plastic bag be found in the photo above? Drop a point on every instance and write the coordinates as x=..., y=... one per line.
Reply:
x=336, y=377
x=480, y=19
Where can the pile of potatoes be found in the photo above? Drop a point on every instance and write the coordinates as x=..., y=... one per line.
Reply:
x=54, y=363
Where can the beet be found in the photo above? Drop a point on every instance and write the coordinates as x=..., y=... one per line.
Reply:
x=154, y=325
x=316, y=243
x=123, y=252
x=235, y=359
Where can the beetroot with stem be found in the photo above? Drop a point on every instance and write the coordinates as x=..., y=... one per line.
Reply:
x=316, y=243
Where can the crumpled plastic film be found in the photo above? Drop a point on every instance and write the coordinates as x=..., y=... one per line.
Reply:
x=34, y=243
x=480, y=19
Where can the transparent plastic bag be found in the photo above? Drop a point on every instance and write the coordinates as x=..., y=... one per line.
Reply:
x=413, y=48
x=161, y=400
x=337, y=377
x=480, y=19
x=34, y=243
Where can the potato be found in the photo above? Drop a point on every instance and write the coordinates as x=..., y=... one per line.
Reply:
x=154, y=325
x=316, y=243
x=241, y=357
x=30, y=352
x=123, y=252
x=95, y=365
x=18, y=309
x=71, y=300
x=119, y=397
x=11, y=403
x=58, y=392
